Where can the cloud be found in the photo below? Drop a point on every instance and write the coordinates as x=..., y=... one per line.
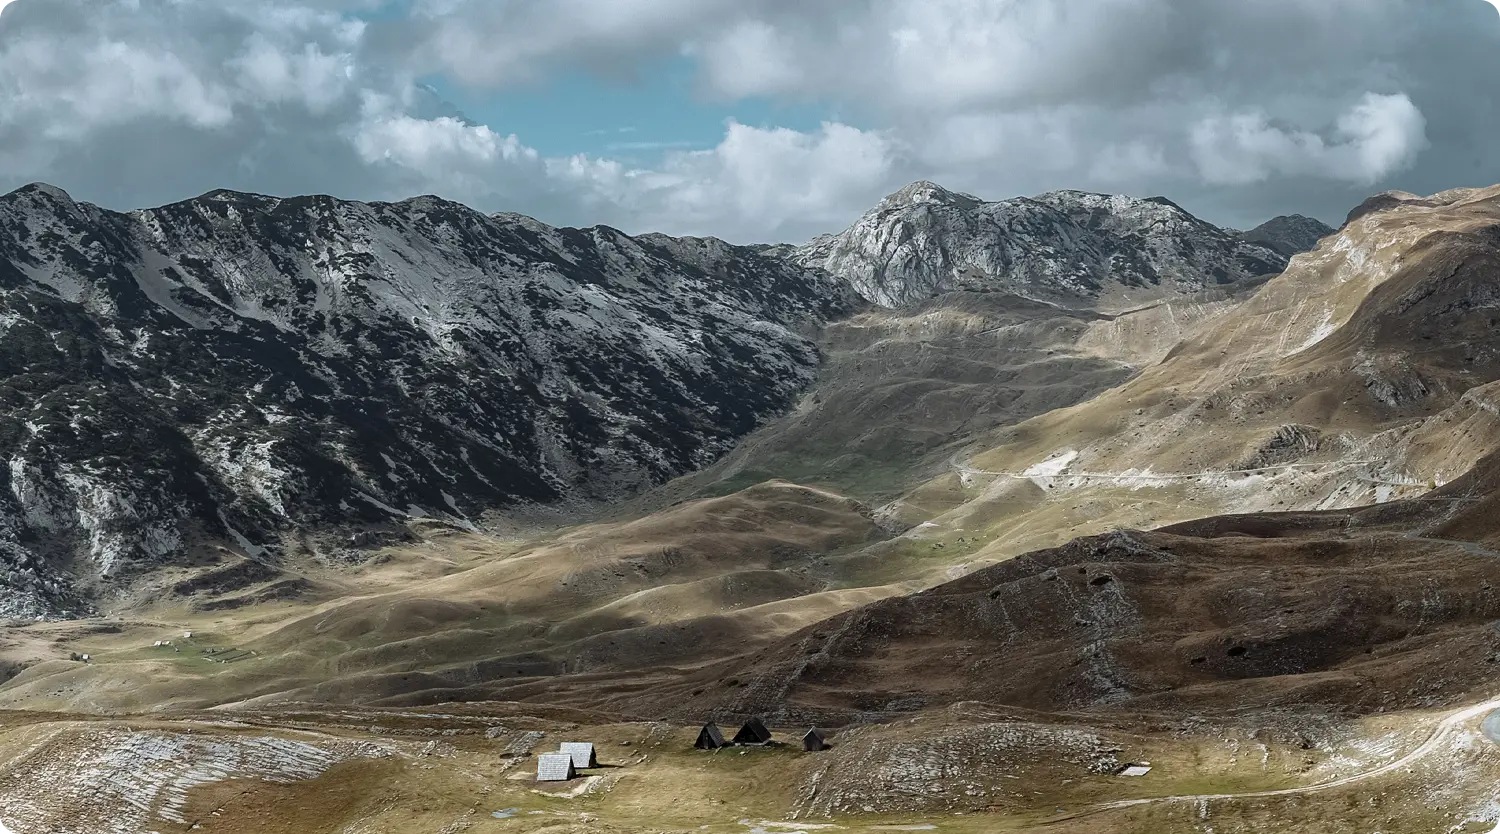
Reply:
x=1237, y=109
x=771, y=182
x=1376, y=138
x=431, y=145
x=271, y=75
x=515, y=41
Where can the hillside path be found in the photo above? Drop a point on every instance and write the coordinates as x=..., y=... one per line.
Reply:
x=1434, y=740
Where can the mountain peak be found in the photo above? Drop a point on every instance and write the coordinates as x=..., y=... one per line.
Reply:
x=43, y=189
x=925, y=191
x=1069, y=247
x=1289, y=234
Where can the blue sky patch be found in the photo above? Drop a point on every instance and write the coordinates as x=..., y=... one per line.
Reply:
x=636, y=120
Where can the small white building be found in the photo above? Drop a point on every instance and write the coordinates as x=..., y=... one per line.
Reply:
x=554, y=767
x=582, y=753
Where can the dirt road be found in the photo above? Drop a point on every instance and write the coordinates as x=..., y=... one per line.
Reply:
x=1434, y=740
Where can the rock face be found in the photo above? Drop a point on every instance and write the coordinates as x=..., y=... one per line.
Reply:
x=234, y=365
x=1290, y=234
x=1066, y=247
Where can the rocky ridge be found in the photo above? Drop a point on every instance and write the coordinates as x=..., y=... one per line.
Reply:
x=1290, y=234
x=1066, y=247
x=234, y=366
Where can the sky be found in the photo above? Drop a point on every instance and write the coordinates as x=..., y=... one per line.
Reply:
x=751, y=120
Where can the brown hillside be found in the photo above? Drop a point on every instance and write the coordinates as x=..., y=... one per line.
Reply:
x=1353, y=612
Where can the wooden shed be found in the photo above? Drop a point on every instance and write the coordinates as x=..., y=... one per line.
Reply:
x=710, y=737
x=814, y=741
x=754, y=732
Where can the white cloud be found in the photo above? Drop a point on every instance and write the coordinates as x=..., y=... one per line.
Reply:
x=430, y=145
x=272, y=75
x=1380, y=136
x=771, y=181
x=1241, y=108
x=750, y=58
x=120, y=82
x=1377, y=137
x=958, y=53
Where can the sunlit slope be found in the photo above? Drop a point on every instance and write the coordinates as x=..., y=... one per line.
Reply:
x=1360, y=375
x=681, y=586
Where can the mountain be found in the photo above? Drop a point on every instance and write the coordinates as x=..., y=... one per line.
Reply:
x=1319, y=469
x=235, y=366
x=1065, y=247
x=905, y=388
x=1242, y=538
x=1290, y=234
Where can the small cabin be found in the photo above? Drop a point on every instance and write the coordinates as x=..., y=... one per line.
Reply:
x=582, y=753
x=814, y=741
x=710, y=738
x=754, y=732
x=555, y=767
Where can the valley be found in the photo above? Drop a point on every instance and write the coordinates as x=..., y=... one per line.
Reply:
x=1049, y=487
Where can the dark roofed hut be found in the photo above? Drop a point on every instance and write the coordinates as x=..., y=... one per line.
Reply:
x=814, y=741
x=754, y=732
x=710, y=738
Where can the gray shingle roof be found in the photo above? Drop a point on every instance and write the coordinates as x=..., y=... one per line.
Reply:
x=582, y=753
x=554, y=767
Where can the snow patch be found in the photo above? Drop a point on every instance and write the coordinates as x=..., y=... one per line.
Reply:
x=1050, y=468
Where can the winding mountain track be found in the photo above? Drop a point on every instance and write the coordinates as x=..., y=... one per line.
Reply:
x=1435, y=739
x=964, y=470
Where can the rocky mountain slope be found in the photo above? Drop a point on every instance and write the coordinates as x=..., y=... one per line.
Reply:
x=1290, y=234
x=1066, y=247
x=1009, y=333
x=1364, y=373
x=235, y=366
